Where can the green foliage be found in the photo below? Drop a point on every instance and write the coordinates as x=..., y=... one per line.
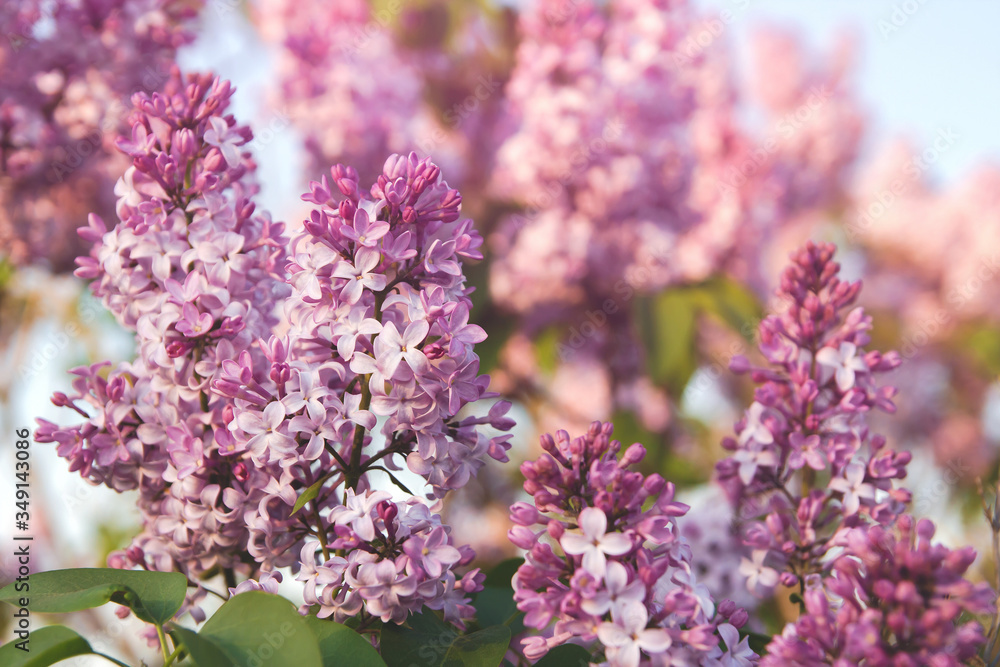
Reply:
x=758, y=642
x=495, y=603
x=732, y=303
x=340, y=645
x=264, y=630
x=47, y=646
x=668, y=325
x=567, y=655
x=427, y=641
x=6, y=271
x=547, y=346
x=981, y=344
x=153, y=596
x=201, y=651
x=308, y=495
x=258, y=629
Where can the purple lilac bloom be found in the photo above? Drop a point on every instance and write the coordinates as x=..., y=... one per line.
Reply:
x=69, y=71
x=602, y=571
x=220, y=423
x=804, y=466
x=893, y=600
x=192, y=269
x=398, y=559
x=378, y=358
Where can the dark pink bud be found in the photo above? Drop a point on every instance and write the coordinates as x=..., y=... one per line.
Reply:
x=555, y=529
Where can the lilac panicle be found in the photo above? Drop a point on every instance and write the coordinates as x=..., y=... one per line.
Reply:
x=191, y=268
x=893, y=600
x=69, y=70
x=221, y=423
x=804, y=466
x=602, y=570
x=378, y=329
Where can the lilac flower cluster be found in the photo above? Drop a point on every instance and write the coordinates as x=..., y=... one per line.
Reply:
x=378, y=327
x=399, y=558
x=192, y=270
x=891, y=601
x=804, y=466
x=345, y=82
x=593, y=154
x=69, y=71
x=220, y=422
x=604, y=568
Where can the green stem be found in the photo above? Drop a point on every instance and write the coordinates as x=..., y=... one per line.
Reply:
x=163, y=643
x=320, y=530
x=353, y=475
x=172, y=657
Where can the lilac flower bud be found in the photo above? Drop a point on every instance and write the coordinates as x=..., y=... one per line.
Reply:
x=788, y=579
x=523, y=514
x=555, y=529
x=633, y=455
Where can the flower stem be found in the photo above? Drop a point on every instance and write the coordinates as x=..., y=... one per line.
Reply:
x=163, y=644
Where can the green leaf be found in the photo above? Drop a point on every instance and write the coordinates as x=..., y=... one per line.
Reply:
x=308, y=495
x=667, y=323
x=567, y=655
x=422, y=642
x=758, y=642
x=484, y=648
x=262, y=630
x=6, y=271
x=427, y=641
x=202, y=651
x=979, y=343
x=154, y=596
x=549, y=349
x=733, y=303
x=340, y=645
x=46, y=646
x=500, y=327
x=629, y=429
x=495, y=603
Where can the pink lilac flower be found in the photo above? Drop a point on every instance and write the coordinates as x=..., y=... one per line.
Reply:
x=356, y=101
x=374, y=330
x=804, y=466
x=894, y=599
x=593, y=544
x=626, y=635
x=192, y=270
x=399, y=558
x=222, y=424
x=267, y=583
x=591, y=156
x=70, y=69
x=602, y=571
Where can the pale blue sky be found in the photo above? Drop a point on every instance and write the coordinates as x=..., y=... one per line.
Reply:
x=940, y=68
